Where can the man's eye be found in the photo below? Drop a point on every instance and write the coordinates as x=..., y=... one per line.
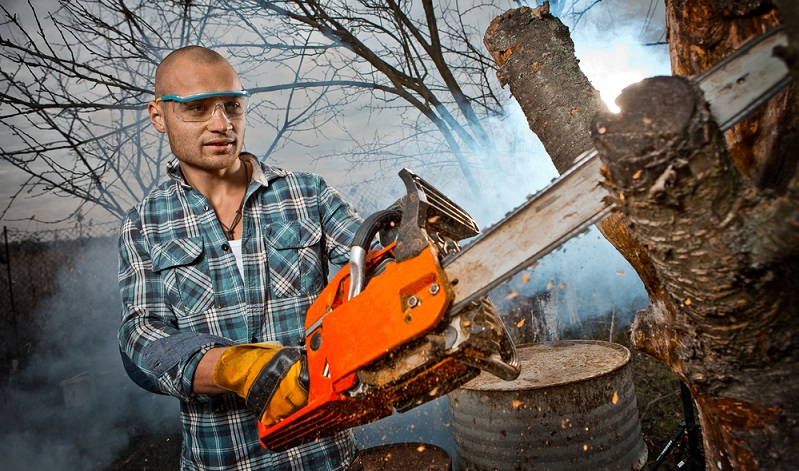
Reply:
x=196, y=108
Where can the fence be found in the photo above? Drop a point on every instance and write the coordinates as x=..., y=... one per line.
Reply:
x=30, y=263
x=34, y=266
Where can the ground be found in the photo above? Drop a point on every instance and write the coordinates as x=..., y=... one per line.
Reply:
x=660, y=409
x=150, y=451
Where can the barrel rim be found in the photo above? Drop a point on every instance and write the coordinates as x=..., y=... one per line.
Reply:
x=627, y=356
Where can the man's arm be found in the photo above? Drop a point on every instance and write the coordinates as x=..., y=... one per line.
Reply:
x=203, y=382
x=148, y=335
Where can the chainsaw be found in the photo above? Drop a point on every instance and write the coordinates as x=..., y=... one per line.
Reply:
x=410, y=322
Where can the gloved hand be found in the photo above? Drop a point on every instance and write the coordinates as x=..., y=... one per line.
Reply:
x=273, y=380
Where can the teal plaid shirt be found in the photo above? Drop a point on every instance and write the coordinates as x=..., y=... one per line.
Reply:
x=182, y=294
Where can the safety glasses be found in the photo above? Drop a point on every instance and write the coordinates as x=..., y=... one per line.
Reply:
x=200, y=107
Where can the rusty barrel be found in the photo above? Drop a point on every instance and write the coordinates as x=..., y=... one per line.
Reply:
x=572, y=407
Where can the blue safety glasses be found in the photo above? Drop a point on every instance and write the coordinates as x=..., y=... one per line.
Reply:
x=200, y=107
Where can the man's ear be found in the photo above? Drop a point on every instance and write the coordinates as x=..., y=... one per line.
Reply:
x=156, y=116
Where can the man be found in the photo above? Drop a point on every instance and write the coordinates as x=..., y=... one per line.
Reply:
x=224, y=257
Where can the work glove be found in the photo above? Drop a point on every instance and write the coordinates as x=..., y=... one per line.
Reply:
x=272, y=380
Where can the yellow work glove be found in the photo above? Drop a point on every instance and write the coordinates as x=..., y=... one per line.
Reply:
x=272, y=380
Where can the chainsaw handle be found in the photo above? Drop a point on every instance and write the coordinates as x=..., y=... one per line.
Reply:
x=371, y=225
x=361, y=243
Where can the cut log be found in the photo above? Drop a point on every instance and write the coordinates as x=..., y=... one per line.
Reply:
x=535, y=54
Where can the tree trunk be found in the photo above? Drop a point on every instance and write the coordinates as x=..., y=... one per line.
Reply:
x=535, y=54
x=727, y=256
x=788, y=12
x=712, y=233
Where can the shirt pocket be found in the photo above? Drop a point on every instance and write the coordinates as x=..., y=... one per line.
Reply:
x=184, y=272
x=295, y=258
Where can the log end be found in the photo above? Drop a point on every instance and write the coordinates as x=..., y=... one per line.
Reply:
x=501, y=37
x=657, y=113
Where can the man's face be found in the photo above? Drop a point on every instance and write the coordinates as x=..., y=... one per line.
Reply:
x=209, y=145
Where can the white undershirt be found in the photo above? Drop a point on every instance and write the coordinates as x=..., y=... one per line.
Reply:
x=235, y=247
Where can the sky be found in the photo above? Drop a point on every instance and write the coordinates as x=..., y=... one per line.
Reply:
x=608, y=43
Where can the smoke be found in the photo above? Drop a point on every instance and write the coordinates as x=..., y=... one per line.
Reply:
x=621, y=48
x=72, y=406
x=618, y=43
x=583, y=280
x=427, y=423
x=586, y=279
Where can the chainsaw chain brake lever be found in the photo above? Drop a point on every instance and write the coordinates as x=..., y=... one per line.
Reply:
x=507, y=366
x=478, y=326
x=422, y=208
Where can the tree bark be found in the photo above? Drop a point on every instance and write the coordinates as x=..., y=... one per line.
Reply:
x=535, y=55
x=712, y=233
x=702, y=32
x=727, y=256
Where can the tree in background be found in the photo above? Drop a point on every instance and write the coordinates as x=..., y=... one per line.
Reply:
x=75, y=88
x=75, y=85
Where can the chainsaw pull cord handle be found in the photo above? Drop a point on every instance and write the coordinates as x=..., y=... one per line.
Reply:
x=361, y=243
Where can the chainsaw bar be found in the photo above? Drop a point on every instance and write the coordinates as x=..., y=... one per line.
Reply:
x=734, y=88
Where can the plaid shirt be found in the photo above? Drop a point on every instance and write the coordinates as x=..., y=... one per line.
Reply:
x=183, y=294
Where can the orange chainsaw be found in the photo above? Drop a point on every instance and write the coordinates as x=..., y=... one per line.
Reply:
x=411, y=322
x=382, y=336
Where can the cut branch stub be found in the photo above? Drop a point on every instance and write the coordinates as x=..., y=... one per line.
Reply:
x=660, y=120
x=536, y=58
x=674, y=181
x=730, y=313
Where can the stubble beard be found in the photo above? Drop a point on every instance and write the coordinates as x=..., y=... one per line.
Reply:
x=191, y=152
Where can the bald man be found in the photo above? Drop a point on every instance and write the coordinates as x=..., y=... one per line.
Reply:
x=217, y=267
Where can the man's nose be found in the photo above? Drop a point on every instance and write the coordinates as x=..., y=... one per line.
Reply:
x=219, y=120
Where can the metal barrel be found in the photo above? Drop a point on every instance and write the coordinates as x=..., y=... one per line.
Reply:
x=572, y=407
